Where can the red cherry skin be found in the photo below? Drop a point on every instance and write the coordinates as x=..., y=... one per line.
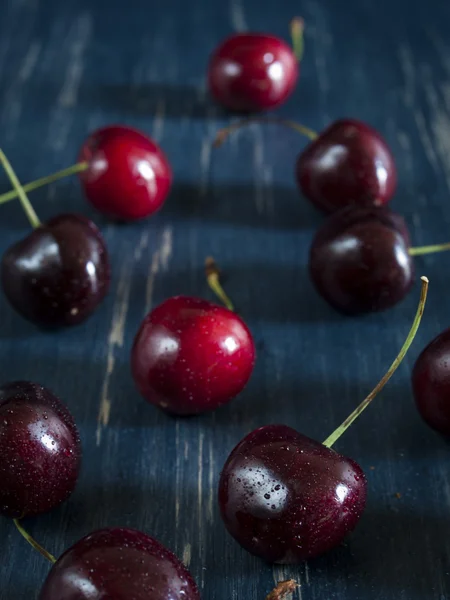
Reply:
x=59, y=274
x=190, y=356
x=40, y=450
x=431, y=383
x=252, y=72
x=348, y=164
x=359, y=260
x=128, y=177
x=287, y=498
x=119, y=564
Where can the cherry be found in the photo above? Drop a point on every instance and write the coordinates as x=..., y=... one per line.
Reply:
x=287, y=498
x=60, y=272
x=254, y=71
x=40, y=451
x=124, y=173
x=431, y=383
x=360, y=261
x=128, y=177
x=121, y=564
x=190, y=356
x=349, y=163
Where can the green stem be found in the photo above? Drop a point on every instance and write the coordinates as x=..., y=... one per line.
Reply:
x=34, y=543
x=26, y=205
x=33, y=185
x=212, y=277
x=429, y=249
x=222, y=134
x=365, y=403
x=297, y=30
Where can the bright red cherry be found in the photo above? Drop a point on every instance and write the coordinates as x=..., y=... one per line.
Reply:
x=119, y=564
x=251, y=72
x=59, y=273
x=431, y=383
x=40, y=451
x=128, y=177
x=349, y=163
x=360, y=260
x=190, y=356
x=287, y=498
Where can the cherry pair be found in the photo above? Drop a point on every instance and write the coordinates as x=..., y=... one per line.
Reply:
x=60, y=273
x=40, y=457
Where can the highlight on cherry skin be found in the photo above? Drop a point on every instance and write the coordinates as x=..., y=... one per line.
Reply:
x=286, y=497
x=191, y=356
x=40, y=450
x=252, y=72
x=124, y=174
x=122, y=564
x=431, y=383
x=59, y=273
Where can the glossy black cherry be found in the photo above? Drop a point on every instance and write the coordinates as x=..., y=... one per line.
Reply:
x=431, y=383
x=40, y=451
x=59, y=273
x=359, y=260
x=119, y=564
x=287, y=498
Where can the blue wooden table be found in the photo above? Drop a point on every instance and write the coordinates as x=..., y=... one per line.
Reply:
x=69, y=67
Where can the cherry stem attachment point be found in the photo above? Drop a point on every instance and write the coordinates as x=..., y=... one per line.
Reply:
x=282, y=589
x=34, y=543
x=298, y=41
x=222, y=134
x=212, y=277
x=429, y=249
x=365, y=403
x=37, y=183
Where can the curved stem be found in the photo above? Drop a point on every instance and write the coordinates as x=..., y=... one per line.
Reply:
x=297, y=30
x=212, y=277
x=37, y=183
x=34, y=543
x=365, y=403
x=283, y=589
x=429, y=249
x=26, y=205
x=222, y=134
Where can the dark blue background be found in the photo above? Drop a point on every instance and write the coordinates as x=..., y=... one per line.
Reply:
x=69, y=67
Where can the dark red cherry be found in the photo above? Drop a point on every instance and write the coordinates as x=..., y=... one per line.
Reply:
x=190, y=356
x=359, y=260
x=431, y=383
x=59, y=273
x=287, y=498
x=252, y=72
x=348, y=164
x=40, y=451
x=119, y=564
x=128, y=176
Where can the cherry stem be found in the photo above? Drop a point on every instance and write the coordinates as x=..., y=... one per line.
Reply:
x=429, y=249
x=282, y=589
x=365, y=403
x=297, y=30
x=212, y=277
x=34, y=543
x=222, y=134
x=26, y=205
x=37, y=183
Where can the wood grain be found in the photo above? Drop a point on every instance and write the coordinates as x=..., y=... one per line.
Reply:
x=68, y=67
